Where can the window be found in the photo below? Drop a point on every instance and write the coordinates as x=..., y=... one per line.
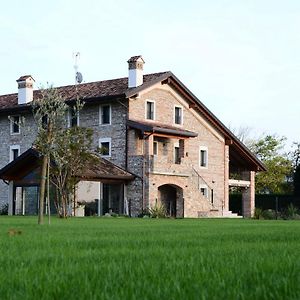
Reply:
x=177, y=159
x=15, y=124
x=203, y=157
x=150, y=110
x=105, y=114
x=204, y=190
x=105, y=146
x=73, y=118
x=155, y=148
x=178, y=115
x=14, y=152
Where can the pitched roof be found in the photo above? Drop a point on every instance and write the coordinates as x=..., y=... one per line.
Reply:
x=118, y=88
x=107, y=89
x=100, y=170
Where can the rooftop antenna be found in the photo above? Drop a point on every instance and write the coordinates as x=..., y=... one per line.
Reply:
x=78, y=75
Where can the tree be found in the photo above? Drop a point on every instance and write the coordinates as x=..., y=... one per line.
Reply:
x=49, y=112
x=295, y=158
x=66, y=151
x=279, y=166
x=71, y=155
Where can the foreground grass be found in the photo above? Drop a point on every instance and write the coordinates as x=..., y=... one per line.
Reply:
x=94, y=258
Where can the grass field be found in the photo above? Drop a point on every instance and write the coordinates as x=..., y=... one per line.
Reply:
x=110, y=258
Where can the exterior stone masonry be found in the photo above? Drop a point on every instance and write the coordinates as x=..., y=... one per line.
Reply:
x=166, y=163
x=24, y=139
x=161, y=169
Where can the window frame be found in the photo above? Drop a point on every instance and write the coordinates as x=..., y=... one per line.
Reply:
x=205, y=188
x=70, y=117
x=11, y=152
x=100, y=114
x=205, y=149
x=155, y=153
x=177, y=160
x=146, y=110
x=105, y=140
x=174, y=115
x=12, y=123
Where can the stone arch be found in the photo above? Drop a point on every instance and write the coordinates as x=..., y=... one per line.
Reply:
x=171, y=196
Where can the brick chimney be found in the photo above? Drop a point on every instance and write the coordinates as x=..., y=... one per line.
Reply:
x=135, y=76
x=25, y=89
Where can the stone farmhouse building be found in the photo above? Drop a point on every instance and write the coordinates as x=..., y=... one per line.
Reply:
x=161, y=145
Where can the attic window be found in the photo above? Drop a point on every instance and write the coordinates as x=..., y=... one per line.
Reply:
x=105, y=114
x=178, y=115
x=150, y=110
x=203, y=157
x=15, y=124
x=73, y=118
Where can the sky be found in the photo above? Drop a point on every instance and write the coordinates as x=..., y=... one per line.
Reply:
x=241, y=58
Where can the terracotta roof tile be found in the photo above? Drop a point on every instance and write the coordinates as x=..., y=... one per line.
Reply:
x=92, y=90
x=134, y=58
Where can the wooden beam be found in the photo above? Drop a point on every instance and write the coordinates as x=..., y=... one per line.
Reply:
x=170, y=136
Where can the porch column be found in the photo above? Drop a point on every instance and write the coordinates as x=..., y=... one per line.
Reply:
x=100, y=200
x=226, y=179
x=10, y=197
x=126, y=210
x=150, y=145
x=248, y=197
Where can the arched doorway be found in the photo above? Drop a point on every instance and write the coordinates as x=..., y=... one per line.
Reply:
x=171, y=196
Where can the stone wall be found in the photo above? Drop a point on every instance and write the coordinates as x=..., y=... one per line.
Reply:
x=24, y=139
x=162, y=169
x=89, y=117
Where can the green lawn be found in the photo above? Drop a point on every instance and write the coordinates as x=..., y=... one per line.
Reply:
x=110, y=258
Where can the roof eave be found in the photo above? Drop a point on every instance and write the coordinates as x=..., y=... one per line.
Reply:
x=134, y=91
x=223, y=129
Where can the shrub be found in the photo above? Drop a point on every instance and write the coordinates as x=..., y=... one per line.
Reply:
x=144, y=213
x=4, y=209
x=258, y=213
x=157, y=211
x=291, y=212
x=269, y=214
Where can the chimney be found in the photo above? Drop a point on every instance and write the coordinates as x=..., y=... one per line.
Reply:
x=25, y=89
x=135, y=76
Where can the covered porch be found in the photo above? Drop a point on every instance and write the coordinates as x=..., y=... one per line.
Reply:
x=104, y=184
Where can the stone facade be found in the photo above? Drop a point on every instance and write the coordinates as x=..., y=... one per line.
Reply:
x=24, y=140
x=167, y=167
x=161, y=170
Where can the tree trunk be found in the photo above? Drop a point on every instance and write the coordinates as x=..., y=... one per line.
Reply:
x=42, y=190
x=48, y=189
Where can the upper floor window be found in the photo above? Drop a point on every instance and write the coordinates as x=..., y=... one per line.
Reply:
x=177, y=158
x=15, y=124
x=178, y=115
x=105, y=114
x=150, y=110
x=73, y=118
x=203, y=159
x=14, y=152
x=105, y=146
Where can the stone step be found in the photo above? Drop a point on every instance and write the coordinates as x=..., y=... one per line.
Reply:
x=214, y=213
